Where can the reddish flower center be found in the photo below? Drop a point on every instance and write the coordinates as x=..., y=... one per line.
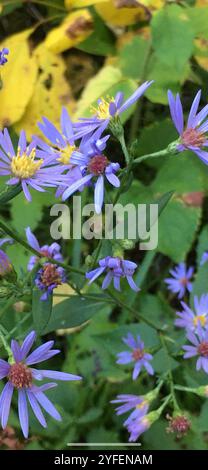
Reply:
x=98, y=164
x=179, y=425
x=203, y=348
x=50, y=275
x=137, y=354
x=192, y=137
x=45, y=253
x=184, y=281
x=20, y=375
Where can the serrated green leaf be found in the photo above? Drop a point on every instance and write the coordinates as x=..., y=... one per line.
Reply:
x=172, y=36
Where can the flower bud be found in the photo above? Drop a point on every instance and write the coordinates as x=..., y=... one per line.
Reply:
x=178, y=424
x=116, y=127
x=89, y=260
x=127, y=244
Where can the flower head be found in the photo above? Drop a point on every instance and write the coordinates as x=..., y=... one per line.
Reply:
x=192, y=137
x=3, y=53
x=21, y=377
x=136, y=422
x=190, y=319
x=199, y=348
x=48, y=278
x=180, y=282
x=179, y=425
x=5, y=263
x=137, y=355
x=62, y=143
x=108, y=108
x=94, y=167
x=49, y=251
x=25, y=166
x=116, y=268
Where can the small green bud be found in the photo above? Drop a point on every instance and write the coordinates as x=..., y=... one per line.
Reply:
x=127, y=244
x=5, y=292
x=116, y=127
x=89, y=260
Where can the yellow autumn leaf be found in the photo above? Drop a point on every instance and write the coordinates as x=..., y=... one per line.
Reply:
x=80, y=3
x=75, y=28
x=18, y=78
x=62, y=293
x=201, y=3
x=127, y=12
x=51, y=92
x=201, y=55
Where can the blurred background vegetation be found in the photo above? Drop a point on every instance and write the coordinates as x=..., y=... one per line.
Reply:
x=70, y=54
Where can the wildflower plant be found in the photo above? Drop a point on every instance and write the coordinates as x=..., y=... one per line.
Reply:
x=92, y=295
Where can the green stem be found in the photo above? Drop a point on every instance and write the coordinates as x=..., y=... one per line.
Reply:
x=160, y=153
x=9, y=192
x=122, y=141
x=5, y=344
x=166, y=401
x=170, y=376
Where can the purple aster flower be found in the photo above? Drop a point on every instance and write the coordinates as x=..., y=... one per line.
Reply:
x=180, y=282
x=135, y=422
x=26, y=167
x=48, y=278
x=204, y=258
x=129, y=402
x=138, y=356
x=116, y=268
x=189, y=318
x=108, y=109
x=93, y=165
x=62, y=143
x=193, y=137
x=49, y=251
x=22, y=377
x=199, y=348
x=5, y=263
x=3, y=52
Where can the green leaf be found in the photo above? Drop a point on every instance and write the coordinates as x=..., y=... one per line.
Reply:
x=172, y=36
x=193, y=174
x=101, y=41
x=165, y=77
x=41, y=310
x=73, y=312
x=199, y=20
x=139, y=48
x=177, y=228
x=162, y=362
x=153, y=138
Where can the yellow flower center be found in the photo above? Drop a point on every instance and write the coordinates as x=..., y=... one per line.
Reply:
x=24, y=166
x=65, y=153
x=102, y=110
x=200, y=319
x=142, y=404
